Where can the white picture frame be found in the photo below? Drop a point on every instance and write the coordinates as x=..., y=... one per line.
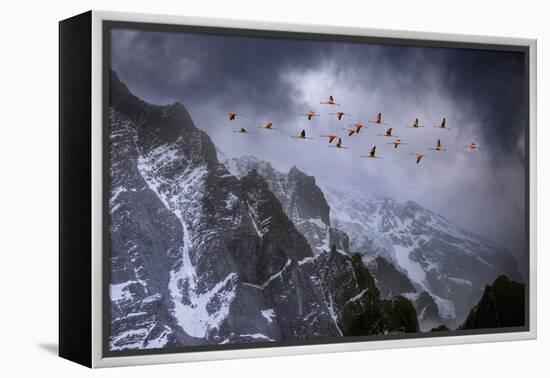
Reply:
x=97, y=358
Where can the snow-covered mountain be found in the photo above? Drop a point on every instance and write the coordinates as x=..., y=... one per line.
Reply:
x=441, y=268
x=304, y=202
x=452, y=264
x=200, y=256
x=195, y=251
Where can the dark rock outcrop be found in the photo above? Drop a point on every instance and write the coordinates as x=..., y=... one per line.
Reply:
x=441, y=328
x=400, y=316
x=389, y=280
x=502, y=305
x=392, y=283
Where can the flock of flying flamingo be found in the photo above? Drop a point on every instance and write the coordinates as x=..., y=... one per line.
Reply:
x=354, y=130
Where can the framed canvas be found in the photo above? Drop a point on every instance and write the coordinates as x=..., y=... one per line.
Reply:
x=235, y=189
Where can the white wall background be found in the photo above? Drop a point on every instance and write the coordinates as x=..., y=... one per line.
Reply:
x=28, y=185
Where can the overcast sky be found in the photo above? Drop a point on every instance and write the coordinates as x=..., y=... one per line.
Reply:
x=480, y=92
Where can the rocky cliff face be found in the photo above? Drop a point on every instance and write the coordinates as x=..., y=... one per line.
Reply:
x=302, y=200
x=199, y=256
x=389, y=280
x=353, y=300
x=393, y=282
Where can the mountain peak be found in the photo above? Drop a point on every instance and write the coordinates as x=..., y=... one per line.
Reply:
x=307, y=197
x=502, y=305
x=295, y=172
x=161, y=126
x=120, y=95
x=254, y=176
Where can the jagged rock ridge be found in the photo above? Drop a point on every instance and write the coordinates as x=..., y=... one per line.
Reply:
x=302, y=200
x=410, y=250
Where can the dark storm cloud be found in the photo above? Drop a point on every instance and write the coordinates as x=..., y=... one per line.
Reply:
x=167, y=67
x=202, y=67
x=480, y=92
x=494, y=81
x=198, y=67
x=491, y=83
